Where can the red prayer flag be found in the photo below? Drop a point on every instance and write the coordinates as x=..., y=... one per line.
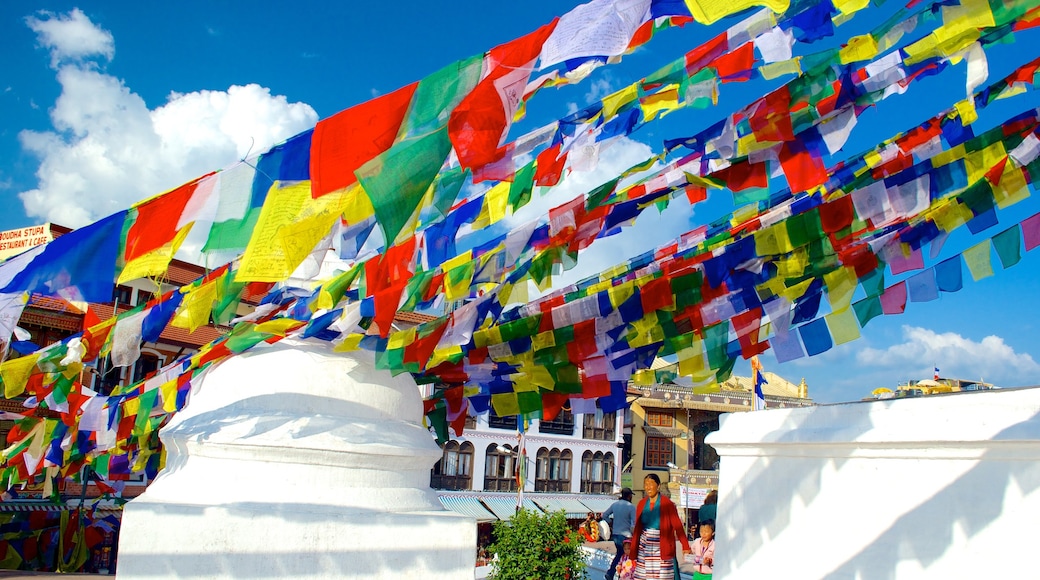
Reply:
x=836, y=214
x=802, y=169
x=479, y=123
x=699, y=57
x=549, y=166
x=156, y=223
x=737, y=65
x=743, y=175
x=347, y=140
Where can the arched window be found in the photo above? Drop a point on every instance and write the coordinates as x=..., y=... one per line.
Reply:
x=597, y=472
x=500, y=468
x=454, y=469
x=553, y=470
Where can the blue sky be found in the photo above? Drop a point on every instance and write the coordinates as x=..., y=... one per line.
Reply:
x=102, y=105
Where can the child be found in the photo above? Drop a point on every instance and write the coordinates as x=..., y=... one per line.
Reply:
x=703, y=551
x=626, y=568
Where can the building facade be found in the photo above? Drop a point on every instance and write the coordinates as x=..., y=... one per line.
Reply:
x=669, y=423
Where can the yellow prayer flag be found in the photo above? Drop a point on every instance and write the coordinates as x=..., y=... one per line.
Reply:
x=543, y=340
x=156, y=262
x=795, y=292
x=978, y=163
x=949, y=156
x=505, y=404
x=843, y=325
x=966, y=111
x=441, y=355
x=949, y=215
x=662, y=102
x=349, y=344
x=401, y=338
x=709, y=11
x=692, y=363
x=195, y=307
x=15, y=373
x=539, y=376
x=290, y=225
x=613, y=102
x=168, y=391
x=841, y=283
x=644, y=377
x=357, y=207
x=496, y=199
x=792, y=265
x=279, y=326
x=131, y=406
x=1012, y=188
x=618, y=294
x=850, y=6
x=774, y=70
x=977, y=258
x=859, y=48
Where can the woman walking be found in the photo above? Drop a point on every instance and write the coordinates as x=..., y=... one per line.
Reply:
x=656, y=531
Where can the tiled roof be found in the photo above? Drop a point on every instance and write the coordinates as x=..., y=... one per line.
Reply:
x=53, y=303
x=46, y=319
x=413, y=317
x=181, y=336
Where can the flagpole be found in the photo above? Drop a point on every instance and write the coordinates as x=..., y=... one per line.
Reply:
x=521, y=468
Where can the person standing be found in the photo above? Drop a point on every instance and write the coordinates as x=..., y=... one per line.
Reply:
x=709, y=511
x=704, y=551
x=657, y=529
x=622, y=516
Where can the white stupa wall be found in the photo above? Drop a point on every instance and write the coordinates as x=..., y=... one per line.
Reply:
x=945, y=486
x=292, y=461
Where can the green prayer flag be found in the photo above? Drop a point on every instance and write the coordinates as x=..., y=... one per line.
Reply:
x=397, y=179
x=523, y=184
x=1007, y=244
x=867, y=309
x=438, y=94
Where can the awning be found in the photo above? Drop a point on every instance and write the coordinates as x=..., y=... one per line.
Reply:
x=505, y=507
x=468, y=506
x=573, y=508
x=664, y=432
x=598, y=504
x=52, y=507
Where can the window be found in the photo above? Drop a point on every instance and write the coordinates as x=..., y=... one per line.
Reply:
x=553, y=470
x=146, y=365
x=496, y=422
x=124, y=295
x=597, y=472
x=454, y=468
x=600, y=426
x=500, y=469
x=660, y=418
x=106, y=377
x=563, y=424
x=658, y=451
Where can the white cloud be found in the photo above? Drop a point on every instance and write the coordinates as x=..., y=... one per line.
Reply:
x=71, y=36
x=991, y=358
x=598, y=89
x=109, y=150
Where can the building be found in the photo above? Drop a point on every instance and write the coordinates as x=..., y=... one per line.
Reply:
x=48, y=320
x=669, y=422
x=571, y=464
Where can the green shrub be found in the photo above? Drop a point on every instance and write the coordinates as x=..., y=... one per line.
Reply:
x=533, y=546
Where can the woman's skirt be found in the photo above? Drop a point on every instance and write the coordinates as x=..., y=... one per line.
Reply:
x=649, y=564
